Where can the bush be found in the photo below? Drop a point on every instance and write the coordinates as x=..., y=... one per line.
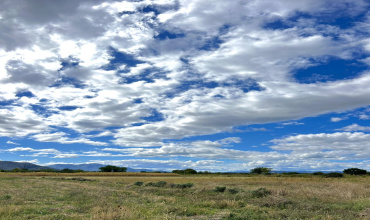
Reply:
x=7, y=197
x=79, y=179
x=220, y=189
x=157, y=184
x=334, y=175
x=233, y=191
x=355, y=171
x=182, y=186
x=318, y=173
x=138, y=183
x=259, y=193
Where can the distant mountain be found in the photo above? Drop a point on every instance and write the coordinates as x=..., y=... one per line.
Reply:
x=84, y=167
x=9, y=165
x=89, y=167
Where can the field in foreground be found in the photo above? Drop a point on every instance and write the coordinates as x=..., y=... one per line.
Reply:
x=169, y=197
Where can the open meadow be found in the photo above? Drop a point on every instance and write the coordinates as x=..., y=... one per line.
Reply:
x=171, y=196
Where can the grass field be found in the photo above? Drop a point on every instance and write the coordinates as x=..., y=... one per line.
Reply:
x=91, y=196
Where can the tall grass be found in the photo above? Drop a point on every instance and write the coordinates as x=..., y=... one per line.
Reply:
x=117, y=197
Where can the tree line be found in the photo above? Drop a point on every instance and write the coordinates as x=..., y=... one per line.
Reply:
x=257, y=170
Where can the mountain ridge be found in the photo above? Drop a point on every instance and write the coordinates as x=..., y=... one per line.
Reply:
x=10, y=165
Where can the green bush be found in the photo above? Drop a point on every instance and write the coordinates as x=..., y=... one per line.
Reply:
x=7, y=197
x=334, y=175
x=79, y=179
x=233, y=191
x=259, y=193
x=182, y=186
x=318, y=173
x=220, y=189
x=157, y=184
x=138, y=183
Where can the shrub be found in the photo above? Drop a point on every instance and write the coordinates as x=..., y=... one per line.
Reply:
x=79, y=179
x=355, y=171
x=259, y=193
x=220, y=189
x=334, y=175
x=233, y=191
x=182, y=186
x=7, y=197
x=318, y=173
x=157, y=184
x=138, y=183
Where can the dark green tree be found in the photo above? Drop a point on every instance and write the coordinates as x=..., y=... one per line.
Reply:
x=110, y=168
x=261, y=170
x=66, y=170
x=178, y=171
x=186, y=171
x=190, y=171
x=355, y=171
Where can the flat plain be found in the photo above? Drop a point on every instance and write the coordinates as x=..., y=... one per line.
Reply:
x=167, y=196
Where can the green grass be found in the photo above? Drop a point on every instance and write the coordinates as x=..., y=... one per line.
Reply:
x=245, y=197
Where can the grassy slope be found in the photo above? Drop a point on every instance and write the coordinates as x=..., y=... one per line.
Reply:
x=25, y=197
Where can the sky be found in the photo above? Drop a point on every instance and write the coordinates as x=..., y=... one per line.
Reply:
x=173, y=84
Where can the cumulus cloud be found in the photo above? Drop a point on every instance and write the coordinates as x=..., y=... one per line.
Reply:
x=355, y=127
x=61, y=138
x=337, y=119
x=334, y=146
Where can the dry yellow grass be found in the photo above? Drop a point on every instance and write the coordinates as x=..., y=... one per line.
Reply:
x=116, y=197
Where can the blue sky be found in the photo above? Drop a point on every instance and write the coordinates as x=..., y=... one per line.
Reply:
x=172, y=84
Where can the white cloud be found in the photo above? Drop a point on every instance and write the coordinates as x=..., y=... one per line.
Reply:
x=11, y=142
x=354, y=127
x=20, y=149
x=61, y=138
x=292, y=123
x=337, y=119
x=36, y=152
x=336, y=146
x=66, y=156
x=35, y=161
